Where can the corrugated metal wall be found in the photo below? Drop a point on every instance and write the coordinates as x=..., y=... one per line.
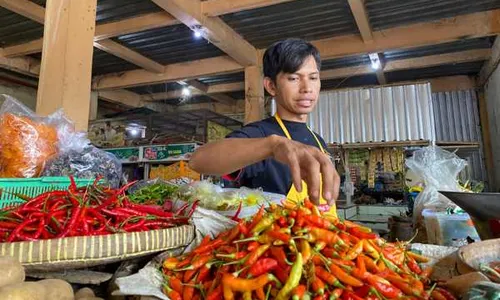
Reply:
x=492, y=89
x=456, y=116
x=392, y=113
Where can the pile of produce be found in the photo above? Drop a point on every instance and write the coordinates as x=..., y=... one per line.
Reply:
x=86, y=211
x=211, y=196
x=25, y=146
x=296, y=252
x=156, y=193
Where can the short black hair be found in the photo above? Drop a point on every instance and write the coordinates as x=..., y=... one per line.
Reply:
x=288, y=56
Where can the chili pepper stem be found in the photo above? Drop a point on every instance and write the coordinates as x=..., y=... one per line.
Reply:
x=485, y=268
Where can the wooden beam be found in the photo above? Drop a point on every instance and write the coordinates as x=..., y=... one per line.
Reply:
x=135, y=24
x=380, y=71
x=452, y=83
x=122, y=96
x=31, y=47
x=129, y=55
x=214, y=8
x=103, y=32
x=203, y=90
x=173, y=72
x=238, y=106
x=25, y=8
x=444, y=30
x=254, y=94
x=213, y=29
x=24, y=65
x=486, y=135
x=491, y=64
x=212, y=89
x=436, y=60
x=66, y=71
x=360, y=14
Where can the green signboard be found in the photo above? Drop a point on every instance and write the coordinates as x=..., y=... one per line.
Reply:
x=169, y=152
x=126, y=154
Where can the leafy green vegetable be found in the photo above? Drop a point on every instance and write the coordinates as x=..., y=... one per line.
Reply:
x=154, y=194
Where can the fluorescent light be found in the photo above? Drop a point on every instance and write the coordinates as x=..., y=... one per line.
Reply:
x=186, y=92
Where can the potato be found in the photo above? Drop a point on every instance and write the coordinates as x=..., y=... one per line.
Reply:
x=12, y=271
x=84, y=293
x=23, y=291
x=57, y=289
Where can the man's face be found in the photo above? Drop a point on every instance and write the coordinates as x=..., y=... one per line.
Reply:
x=298, y=92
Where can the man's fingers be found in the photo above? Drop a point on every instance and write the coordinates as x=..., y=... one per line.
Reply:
x=328, y=173
x=294, y=165
x=312, y=169
x=336, y=187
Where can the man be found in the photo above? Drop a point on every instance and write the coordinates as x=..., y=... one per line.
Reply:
x=281, y=150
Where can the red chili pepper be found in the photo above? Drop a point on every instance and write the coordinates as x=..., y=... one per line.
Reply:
x=236, y=215
x=363, y=291
x=348, y=295
x=413, y=265
x=256, y=219
x=188, y=291
x=357, y=232
x=279, y=236
x=262, y=266
x=299, y=292
x=209, y=247
x=253, y=245
x=243, y=228
x=216, y=294
x=16, y=232
x=75, y=215
x=445, y=293
x=134, y=226
x=147, y=209
x=282, y=272
x=383, y=286
x=318, y=286
x=279, y=254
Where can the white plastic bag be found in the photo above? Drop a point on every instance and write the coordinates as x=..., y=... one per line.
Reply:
x=439, y=169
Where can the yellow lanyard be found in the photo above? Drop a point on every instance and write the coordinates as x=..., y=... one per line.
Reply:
x=287, y=134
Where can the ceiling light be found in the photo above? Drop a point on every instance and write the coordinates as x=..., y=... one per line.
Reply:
x=186, y=92
x=197, y=34
x=375, y=61
x=197, y=31
x=134, y=132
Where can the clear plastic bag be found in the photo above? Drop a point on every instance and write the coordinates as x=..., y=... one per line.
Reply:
x=88, y=162
x=26, y=140
x=439, y=169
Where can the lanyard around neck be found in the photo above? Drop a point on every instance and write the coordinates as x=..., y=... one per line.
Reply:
x=287, y=134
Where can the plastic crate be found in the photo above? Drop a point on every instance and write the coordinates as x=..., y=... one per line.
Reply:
x=32, y=187
x=448, y=230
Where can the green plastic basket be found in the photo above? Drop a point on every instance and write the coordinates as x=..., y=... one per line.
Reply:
x=32, y=187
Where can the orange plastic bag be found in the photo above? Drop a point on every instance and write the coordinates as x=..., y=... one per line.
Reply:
x=25, y=146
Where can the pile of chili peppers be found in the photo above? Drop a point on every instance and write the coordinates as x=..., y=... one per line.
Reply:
x=86, y=211
x=296, y=252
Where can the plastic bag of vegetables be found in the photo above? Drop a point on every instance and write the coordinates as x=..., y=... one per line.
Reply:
x=26, y=141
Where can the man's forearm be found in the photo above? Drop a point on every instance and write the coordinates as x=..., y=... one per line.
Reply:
x=229, y=155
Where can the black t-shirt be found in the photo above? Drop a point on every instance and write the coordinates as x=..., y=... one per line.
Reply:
x=271, y=175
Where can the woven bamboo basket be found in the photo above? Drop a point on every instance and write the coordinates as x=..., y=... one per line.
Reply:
x=89, y=251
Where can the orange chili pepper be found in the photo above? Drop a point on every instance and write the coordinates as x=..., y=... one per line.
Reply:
x=383, y=286
x=370, y=249
x=305, y=249
x=344, y=277
x=354, y=251
x=404, y=285
x=327, y=277
x=417, y=257
x=299, y=292
x=260, y=293
x=371, y=265
x=318, y=286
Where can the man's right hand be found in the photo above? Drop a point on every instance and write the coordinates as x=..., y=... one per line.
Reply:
x=309, y=164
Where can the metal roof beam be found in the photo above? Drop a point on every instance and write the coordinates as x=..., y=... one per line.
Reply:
x=121, y=96
x=212, y=89
x=213, y=29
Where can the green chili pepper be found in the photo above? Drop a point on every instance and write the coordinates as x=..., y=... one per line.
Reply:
x=265, y=223
x=293, y=279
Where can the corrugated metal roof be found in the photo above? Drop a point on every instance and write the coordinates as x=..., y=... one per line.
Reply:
x=469, y=68
x=391, y=13
x=344, y=62
x=308, y=19
x=169, y=45
x=223, y=78
x=156, y=88
x=462, y=45
x=15, y=29
x=103, y=63
x=114, y=10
